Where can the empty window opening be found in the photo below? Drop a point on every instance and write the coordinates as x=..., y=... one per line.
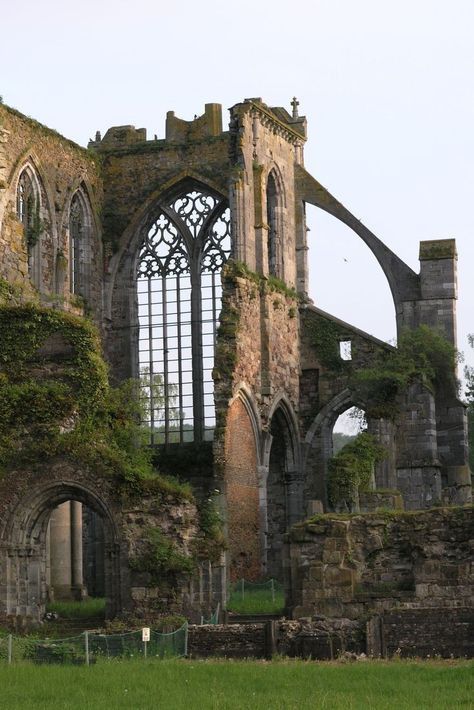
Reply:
x=347, y=426
x=345, y=349
x=179, y=302
x=28, y=212
x=274, y=236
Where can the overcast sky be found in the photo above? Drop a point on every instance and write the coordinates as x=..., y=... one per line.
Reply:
x=387, y=88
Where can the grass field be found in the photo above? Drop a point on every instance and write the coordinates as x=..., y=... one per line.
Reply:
x=246, y=685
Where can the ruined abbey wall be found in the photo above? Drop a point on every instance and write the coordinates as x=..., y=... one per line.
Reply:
x=279, y=379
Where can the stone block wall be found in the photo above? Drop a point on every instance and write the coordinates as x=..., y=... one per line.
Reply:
x=359, y=565
x=448, y=633
x=61, y=167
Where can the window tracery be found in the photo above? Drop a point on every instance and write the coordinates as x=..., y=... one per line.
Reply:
x=179, y=301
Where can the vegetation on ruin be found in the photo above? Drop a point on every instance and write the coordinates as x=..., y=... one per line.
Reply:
x=210, y=541
x=352, y=468
x=422, y=355
x=326, y=335
x=283, y=684
x=266, y=284
x=43, y=130
x=160, y=556
x=62, y=405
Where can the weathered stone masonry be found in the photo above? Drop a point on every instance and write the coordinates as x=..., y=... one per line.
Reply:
x=279, y=380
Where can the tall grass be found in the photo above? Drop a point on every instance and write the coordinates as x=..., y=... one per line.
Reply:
x=243, y=685
x=92, y=607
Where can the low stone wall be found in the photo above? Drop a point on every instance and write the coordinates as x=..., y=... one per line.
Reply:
x=318, y=639
x=422, y=632
x=355, y=566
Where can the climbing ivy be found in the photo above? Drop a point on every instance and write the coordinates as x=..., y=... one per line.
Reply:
x=161, y=556
x=326, y=335
x=422, y=355
x=55, y=400
x=351, y=469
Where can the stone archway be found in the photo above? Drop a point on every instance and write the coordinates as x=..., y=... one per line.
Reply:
x=23, y=589
x=283, y=485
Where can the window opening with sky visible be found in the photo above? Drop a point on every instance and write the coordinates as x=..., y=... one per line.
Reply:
x=179, y=301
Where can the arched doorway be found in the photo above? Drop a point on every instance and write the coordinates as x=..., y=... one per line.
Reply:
x=284, y=502
x=25, y=541
x=75, y=553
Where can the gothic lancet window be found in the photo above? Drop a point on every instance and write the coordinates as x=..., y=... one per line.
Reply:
x=179, y=301
x=28, y=212
x=76, y=238
x=274, y=229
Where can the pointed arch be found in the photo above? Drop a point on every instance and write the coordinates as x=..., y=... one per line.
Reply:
x=29, y=209
x=275, y=199
x=244, y=394
x=80, y=229
x=180, y=249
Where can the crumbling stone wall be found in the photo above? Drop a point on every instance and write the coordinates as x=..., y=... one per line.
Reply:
x=61, y=167
x=356, y=566
x=27, y=499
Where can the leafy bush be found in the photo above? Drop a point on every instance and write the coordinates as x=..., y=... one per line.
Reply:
x=351, y=469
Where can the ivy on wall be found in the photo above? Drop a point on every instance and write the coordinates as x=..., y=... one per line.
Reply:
x=55, y=400
x=351, y=469
x=422, y=355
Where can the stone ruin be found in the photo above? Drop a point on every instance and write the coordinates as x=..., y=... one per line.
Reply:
x=189, y=254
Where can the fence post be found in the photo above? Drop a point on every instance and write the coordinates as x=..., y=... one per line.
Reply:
x=10, y=648
x=86, y=643
x=186, y=640
x=273, y=589
x=242, y=585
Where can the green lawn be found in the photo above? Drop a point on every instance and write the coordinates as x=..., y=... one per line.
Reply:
x=246, y=685
x=93, y=607
x=256, y=601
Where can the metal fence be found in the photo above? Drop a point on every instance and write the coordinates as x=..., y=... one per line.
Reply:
x=89, y=647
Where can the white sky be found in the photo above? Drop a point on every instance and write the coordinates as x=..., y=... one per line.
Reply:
x=387, y=87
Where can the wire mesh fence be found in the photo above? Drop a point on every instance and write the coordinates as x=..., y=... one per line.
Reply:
x=89, y=647
x=213, y=619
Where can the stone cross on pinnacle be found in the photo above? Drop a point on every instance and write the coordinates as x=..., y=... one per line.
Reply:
x=295, y=105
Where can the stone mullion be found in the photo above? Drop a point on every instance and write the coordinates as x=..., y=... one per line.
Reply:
x=196, y=339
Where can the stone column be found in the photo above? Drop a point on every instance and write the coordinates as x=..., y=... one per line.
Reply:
x=60, y=551
x=77, y=585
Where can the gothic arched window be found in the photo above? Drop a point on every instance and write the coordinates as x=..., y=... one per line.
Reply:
x=179, y=301
x=28, y=212
x=79, y=237
x=274, y=229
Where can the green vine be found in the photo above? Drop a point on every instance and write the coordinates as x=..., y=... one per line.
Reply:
x=211, y=540
x=351, y=469
x=325, y=336
x=422, y=355
x=55, y=400
x=161, y=556
x=271, y=284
